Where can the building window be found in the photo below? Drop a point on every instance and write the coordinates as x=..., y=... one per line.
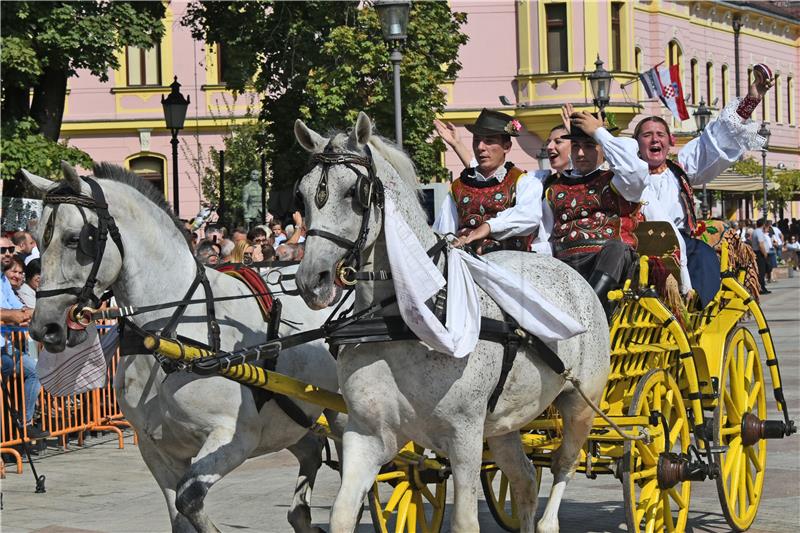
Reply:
x=674, y=54
x=637, y=58
x=777, y=92
x=693, y=76
x=150, y=169
x=144, y=65
x=557, y=57
x=616, y=35
x=223, y=62
x=790, y=100
x=724, y=82
x=710, y=84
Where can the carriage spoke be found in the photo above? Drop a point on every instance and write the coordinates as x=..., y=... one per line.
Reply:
x=732, y=430
x=677, y=497
x=736, y=471
x=396, y=496
x=751, y=489
x=675, y=431
x=753, y=457
x=666, y=512
x=402, y=512
x=501, y=495
x=428, y=495
x=749, y=366
x=751, y=398
x=734, y=415
x=646, y=454
x=644, y=474
x=742, y=487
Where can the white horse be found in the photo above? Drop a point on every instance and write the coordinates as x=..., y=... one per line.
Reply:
x=193, y=430
x=401, y=390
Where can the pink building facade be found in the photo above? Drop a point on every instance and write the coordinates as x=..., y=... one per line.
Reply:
x=535, y=54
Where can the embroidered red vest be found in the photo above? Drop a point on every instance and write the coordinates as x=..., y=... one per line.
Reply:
x=587, y=212
x=686, y=195
x=479, y=201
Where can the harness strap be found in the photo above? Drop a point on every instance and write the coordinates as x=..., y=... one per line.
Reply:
x=510, y=348
x=341, y=241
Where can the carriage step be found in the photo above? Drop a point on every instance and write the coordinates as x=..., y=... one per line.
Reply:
x=718, y=449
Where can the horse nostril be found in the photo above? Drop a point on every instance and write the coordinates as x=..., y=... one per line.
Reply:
x=52, y=334
x=323, y=279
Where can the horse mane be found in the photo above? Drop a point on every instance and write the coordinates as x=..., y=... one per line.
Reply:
x=109, y=171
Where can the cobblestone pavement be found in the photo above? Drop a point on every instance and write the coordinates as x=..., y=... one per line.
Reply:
x=102, y=488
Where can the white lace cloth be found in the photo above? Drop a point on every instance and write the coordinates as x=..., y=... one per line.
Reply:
x=416, y=279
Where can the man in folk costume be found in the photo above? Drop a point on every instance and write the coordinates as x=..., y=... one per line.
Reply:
x=669, y=195
x=593, y=211
x=493, y=205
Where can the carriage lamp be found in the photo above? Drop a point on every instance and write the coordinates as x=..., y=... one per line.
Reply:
x=764, y=132
x=543, y=158
x=394, y=24
x=702, y=116
x=175, y=106
x=600, y=81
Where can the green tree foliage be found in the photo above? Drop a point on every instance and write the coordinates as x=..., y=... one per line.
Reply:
x=788, y=181
x=43, y=44
x=325, y=61
x=22, y=146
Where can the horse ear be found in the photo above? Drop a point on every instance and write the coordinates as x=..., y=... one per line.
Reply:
x=308, y=138
x=71, y=175
x=363, y=129
x=42, y=184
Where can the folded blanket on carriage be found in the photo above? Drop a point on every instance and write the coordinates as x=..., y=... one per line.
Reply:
x=417, y=279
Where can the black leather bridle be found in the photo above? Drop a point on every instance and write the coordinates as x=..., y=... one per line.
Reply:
x=368, y=192
x=92, y=239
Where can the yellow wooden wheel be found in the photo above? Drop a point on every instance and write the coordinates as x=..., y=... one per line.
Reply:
x=742, y=404
x=415, y=501
x=497, y=491
x=649, y=505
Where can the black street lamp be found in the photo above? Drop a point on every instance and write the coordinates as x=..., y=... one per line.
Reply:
x=764, y=132
x=600, y=81
x=543, y=158
x=394, y=24
x=702, y=116
x=174, y=115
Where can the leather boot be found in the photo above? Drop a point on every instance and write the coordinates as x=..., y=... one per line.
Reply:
x=602, y=283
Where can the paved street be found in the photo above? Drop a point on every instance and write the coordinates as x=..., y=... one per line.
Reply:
x=101, y=488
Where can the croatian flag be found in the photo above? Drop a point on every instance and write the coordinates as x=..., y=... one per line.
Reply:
x=665, y=83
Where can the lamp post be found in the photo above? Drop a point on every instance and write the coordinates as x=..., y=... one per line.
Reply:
x=764, y=132
x=174, y=114
x=543, y=158
x=600, y=81
x=394, y=23
x=702, y=116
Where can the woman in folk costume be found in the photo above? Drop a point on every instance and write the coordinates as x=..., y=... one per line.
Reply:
x=669, y=196
x=492, y=205
x=591, y=211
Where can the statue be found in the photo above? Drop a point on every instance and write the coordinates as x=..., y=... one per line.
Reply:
x=251, y=200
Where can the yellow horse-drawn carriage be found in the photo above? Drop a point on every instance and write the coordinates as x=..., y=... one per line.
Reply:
x=685, y=401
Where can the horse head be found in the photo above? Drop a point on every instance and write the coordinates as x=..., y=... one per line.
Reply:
x=343, y=198
x=70, y=253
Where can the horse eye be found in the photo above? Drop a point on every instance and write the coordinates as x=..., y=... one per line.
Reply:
x=351, y=192
x=73, y=240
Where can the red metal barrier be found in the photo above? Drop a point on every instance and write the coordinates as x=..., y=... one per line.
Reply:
x=94, y=410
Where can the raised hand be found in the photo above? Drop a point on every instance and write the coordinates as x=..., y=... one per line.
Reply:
x=762, y=81
x=586, y=121
x=566, y=111
x=446, y=131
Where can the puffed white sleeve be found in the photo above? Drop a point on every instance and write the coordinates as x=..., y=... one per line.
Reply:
x=524, y=216
x=720, y=145
x=447, y=219
x=631, y=174
x=541, y=244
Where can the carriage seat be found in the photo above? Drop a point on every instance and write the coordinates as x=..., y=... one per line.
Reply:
x=658, y=239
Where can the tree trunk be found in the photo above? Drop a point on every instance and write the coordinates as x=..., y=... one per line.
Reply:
x=16, y=104
x=48, y=102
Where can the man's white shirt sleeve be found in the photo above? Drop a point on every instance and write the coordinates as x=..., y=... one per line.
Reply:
x=631, y=174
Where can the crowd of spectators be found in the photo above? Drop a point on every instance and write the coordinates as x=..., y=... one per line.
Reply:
x=773, y=244
x=278, y=240
x=21, y=271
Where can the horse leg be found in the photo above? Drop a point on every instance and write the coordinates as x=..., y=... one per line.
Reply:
x=507, y=452
x=578, y=418
x=308, y=452
x=363, y=456
x=166, y=472
x=219, y=455
x=465, y=450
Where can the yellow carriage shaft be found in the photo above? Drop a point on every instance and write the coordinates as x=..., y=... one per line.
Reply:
x=249, y=374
